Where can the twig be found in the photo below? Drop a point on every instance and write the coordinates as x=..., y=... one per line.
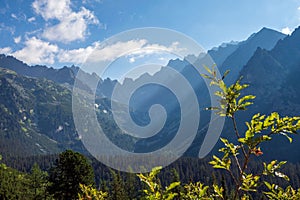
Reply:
x=237, y=134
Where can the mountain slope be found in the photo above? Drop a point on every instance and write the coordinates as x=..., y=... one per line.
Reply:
x=23, y=115
x=272, y=72
x=274, y=78
x=265, y=39
x=36, y=117
x=220, y=53
x=63, y=75
x=151, y=95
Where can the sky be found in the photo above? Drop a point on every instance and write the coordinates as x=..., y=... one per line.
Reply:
x=64, y=32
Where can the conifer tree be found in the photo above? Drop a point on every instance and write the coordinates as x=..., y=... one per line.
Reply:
x=71, y=170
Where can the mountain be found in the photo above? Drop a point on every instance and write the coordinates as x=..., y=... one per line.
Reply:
x=219, y=54
x=152, y=94
x=274, y=73
x=231, y=56
x=265, y=39
x=235, y=55
x=273, y=76
x=36, y=112
x=36, y=117
x=257, y=46
x=65, y=75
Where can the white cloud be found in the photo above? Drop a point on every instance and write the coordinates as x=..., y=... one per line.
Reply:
x=17, y=39
x=286, y=31
x=132, y=60
x=37, y=51
x=70, y=28
x=76, y=56
x=72, y=25
x=134, y=49
x=31, y=19
x=152, y=48
x=155, y=49
x=52, y=9
x=14, y=16
x=91, y=1
x=111, y=52
x=108, y=53
x=19, y=16
x=10, y=29
x=5, y=50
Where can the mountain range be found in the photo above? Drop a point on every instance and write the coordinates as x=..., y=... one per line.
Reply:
x=35, y=103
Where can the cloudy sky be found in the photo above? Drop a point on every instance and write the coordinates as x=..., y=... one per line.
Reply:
x=64, y=32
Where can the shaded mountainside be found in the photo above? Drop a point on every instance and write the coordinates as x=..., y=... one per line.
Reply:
x=231, y=56
x=265, y=39
x=234, y=54
x=36, y=117
x=273, y=77
x=65, y=75
x=220, y=53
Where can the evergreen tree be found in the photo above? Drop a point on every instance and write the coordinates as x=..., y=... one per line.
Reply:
x=38, y=182
x=117, y=187
x=132, y=185
x=71, y=169
x=13, y=184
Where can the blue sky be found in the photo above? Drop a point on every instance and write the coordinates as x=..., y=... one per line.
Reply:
x=64, y=32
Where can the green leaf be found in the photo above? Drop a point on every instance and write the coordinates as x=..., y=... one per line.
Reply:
x=225, y=74
x=242, y=140
x=172, y=186
x=268, y=185
x=266, y=137
x=249, y=134
x=206, y=76
x=281, y=175
x=212, y=108
x=218, y=190
x=288, y=137
x=245, y=98
x=255, y=116
x=207, y=69
x=220, y=94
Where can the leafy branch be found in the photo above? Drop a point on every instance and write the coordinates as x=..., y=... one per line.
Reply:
x=260, y=129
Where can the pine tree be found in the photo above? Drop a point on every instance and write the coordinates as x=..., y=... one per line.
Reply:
x=131, y=185
x=71, y=169
x=38, y=182
x=117, y=187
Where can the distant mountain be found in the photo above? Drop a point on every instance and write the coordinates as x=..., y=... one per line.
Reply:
x=36, y=117
x=274, y=78
x=219, y=54
x=265, y=39
x=231, y=56
x=274, y=73
x=65, y=75
x=238, y=56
